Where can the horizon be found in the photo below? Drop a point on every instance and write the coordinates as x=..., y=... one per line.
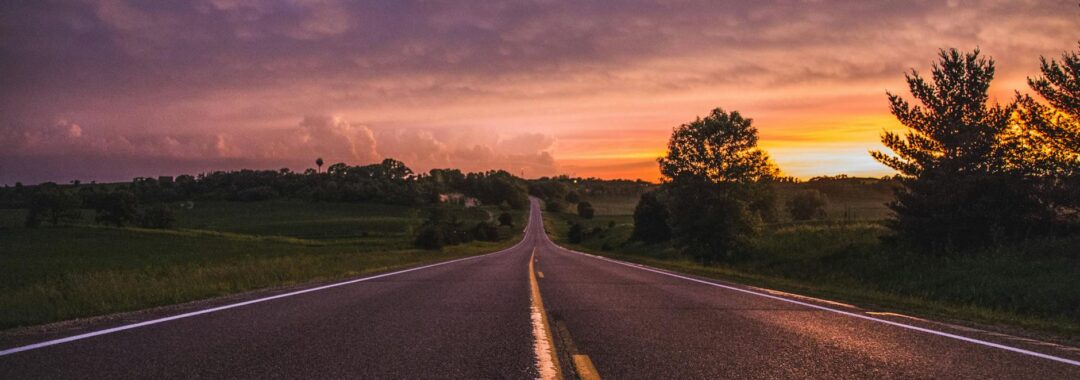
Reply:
x=108, y=90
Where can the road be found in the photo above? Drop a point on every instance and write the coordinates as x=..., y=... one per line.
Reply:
x=478, y=318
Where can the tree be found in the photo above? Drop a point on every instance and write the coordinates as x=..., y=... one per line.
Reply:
x=958, y=191
x=807, y=204
x=1047, y=142
x=319, y=163
x=160, y=216
x=576, y=234
x=116, y=208
x=505, y=219
x=585, y=210
x=721, y=148
x=555, y=206
x=51, y=203
x=651, y=219
x=572, y=197
x=718, y=185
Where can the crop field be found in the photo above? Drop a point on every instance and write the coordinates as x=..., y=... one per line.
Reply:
x=218, y=248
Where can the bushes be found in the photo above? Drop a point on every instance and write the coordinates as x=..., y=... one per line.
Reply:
x=505, y=219
x=651, y=219
x=116, y=208
x=160, y=216
x=585, y=210
x=53, y=204
x=443, y=228
x=576, y=233
x=554, y=206
x=807, y=204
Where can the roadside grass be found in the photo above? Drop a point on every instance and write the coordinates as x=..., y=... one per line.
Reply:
x=1033, y=286
x=60, y=273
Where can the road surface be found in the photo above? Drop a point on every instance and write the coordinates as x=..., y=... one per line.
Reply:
x=567, y=314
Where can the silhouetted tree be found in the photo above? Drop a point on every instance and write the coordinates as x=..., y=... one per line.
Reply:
x=555, y=206
x=585, y=210
x=651, y=219
x=160, y=216
x=319, y=163
x=573, y=197
x=958, y=191
x=51, y=203
x=117, y=208
x=1047, y=144
x=576, y=234
x=718, y=185
x=505, y=219
x=807, y=204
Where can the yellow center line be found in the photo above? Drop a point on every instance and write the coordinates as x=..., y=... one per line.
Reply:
x=548, y=366
x=585, y=369
x=540, y=274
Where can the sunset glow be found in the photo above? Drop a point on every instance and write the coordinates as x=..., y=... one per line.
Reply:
x=109, y=90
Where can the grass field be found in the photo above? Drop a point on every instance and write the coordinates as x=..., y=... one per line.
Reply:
x=219, y=248
x=1034, y=286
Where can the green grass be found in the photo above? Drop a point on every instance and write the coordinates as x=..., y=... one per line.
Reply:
x=1034, y=286
x=59, y=273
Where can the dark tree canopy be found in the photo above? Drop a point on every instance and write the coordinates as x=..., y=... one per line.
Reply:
x=952, y=129
x=651, y=219
x=585, y=210
x=959, y=190
x=722, y=147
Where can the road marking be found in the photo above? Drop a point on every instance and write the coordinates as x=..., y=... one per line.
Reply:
x=547, y=363
x=540, y=274
x=239, y=304
x=847, y=313
x=585, y=369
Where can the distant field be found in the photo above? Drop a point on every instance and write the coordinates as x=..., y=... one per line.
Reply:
x=219, y=248
x=1032, y=286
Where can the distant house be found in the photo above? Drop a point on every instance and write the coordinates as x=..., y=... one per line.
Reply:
x=459, y=199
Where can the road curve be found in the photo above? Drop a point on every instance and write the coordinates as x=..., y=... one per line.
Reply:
x=471, y=319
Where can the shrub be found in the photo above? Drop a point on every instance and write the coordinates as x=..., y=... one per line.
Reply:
x=160, y=216
x=485, y=231
x=429, y=237
x=651, y=219
x=117, y=208
x=576, y=233
x=572, y=197
x=807, y=204
x=505, y=219
x=555, y=206
x=585, y=210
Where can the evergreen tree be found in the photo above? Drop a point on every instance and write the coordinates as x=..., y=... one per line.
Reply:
x=958, y=190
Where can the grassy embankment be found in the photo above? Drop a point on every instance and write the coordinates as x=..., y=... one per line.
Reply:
x=219, y=248
x=1034, y=286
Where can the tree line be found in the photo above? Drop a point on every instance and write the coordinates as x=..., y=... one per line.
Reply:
x=149, y=202
x=970, y=173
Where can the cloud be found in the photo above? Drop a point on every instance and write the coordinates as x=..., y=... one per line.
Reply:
x=459, y=82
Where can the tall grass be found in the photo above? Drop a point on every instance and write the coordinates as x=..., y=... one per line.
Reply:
x=1034, y=285
x=53, y=274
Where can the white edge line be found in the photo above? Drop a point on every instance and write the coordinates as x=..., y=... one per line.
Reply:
x=235, y=305
x=847, y=313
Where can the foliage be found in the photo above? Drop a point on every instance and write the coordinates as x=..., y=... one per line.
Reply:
x=718, y=185
x=117, y=208
x=711, y=222
x=51, y=203
x=576, y=233
x=722, y=147
x=160, y=216
x=554, y=206
x=572, y=197
x=505, y=219
x=651, y=219
x=807, y=204
x=958, y=191
x=585, y=210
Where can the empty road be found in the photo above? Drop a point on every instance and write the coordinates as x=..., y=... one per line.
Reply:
x=480, y=318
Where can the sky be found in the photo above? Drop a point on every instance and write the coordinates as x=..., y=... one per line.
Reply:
x=109, y=90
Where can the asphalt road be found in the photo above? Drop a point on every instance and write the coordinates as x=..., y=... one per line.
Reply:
x=471, y=319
